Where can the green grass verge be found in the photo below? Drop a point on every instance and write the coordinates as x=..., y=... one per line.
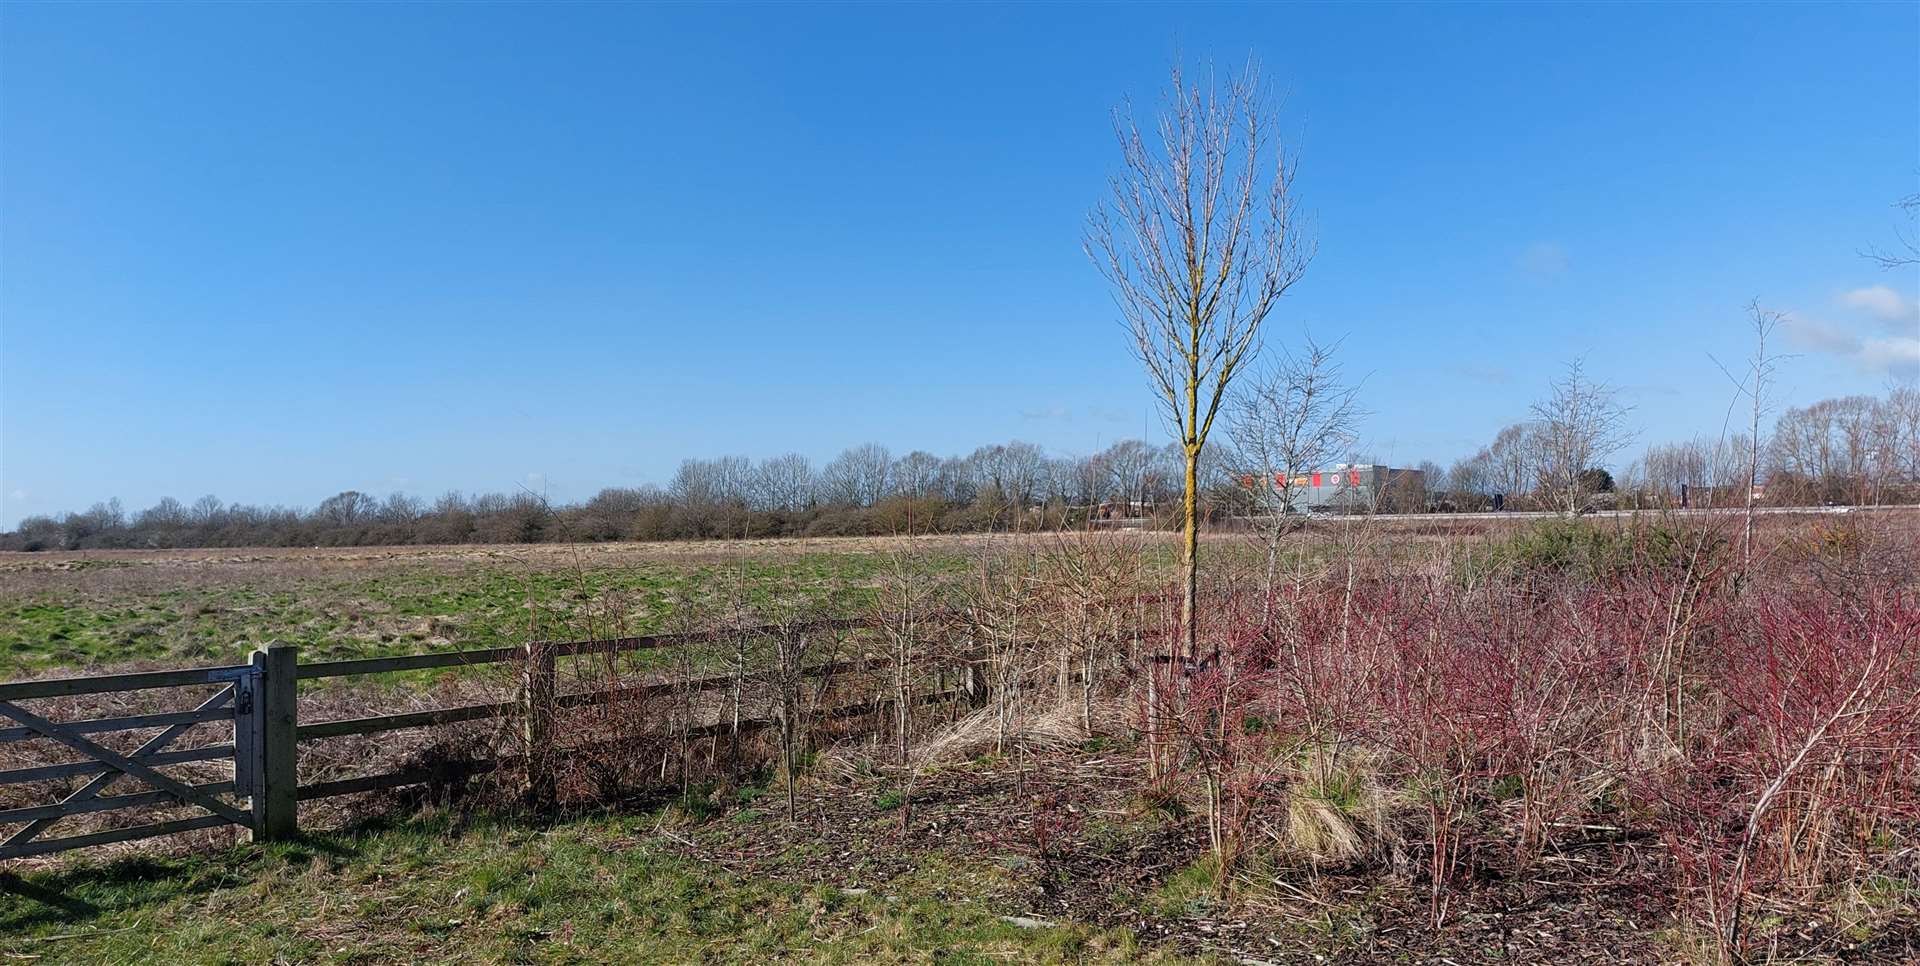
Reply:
x=439, y=889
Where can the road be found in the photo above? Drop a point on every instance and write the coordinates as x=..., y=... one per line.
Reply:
x=1136, y=523
x=1625, y=514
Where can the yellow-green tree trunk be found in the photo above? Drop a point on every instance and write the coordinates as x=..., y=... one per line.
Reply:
x=1190, y=554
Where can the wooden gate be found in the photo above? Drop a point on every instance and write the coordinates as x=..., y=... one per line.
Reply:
x=260, y=702
x=237, y=698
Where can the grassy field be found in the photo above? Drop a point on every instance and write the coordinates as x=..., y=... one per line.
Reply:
x=887, y=858
x=728, y=881
x=605, y=889
x=102, y=609
x=194, y=607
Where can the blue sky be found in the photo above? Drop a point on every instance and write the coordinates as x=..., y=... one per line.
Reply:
x=271, y=252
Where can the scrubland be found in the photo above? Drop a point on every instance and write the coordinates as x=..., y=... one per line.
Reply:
x=1570, y=741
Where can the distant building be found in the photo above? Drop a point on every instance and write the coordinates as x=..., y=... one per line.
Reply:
x=1122, y=510
x=1351, y=488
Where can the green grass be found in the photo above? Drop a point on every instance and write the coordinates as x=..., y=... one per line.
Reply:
x=1193, y=890
x=180, y=613
x=440, y=889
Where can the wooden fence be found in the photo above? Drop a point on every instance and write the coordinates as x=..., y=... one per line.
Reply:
x=261, y=700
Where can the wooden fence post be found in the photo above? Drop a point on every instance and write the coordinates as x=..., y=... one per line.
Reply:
x=536, y=715
x=973, y=678
x=276, y=800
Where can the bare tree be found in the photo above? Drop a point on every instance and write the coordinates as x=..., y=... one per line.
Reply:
x=905, y=600
x=1470, y=480
x=859, y=476
x=1199, y=240
x=1760, y=369
x=783, y=483
x=1514, y=460
x=1668, y=468
x=1432, y=477
x=792, y=642
x=953, y=482
x=341, y=509
x=1127, y=471
x=1578, y=425
x=1802, y=444
x=208, y=509
x=1854, y=418
x=1010, y=473
x=916, y=474
x=1908, y=252
x=1293, y=418
x=713, y=482
x=1845, y=449
x=1711, y=461
x=398, y=508
x=1903, y=415
x=1083, y=479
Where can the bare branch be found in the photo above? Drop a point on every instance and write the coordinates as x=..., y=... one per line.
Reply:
x=1199, y=239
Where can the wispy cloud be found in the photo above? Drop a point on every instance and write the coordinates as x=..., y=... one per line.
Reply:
x=1897, y=355
x=1543, y=259
x=1816, y=336
x=1900, y=313
x=1059, y=413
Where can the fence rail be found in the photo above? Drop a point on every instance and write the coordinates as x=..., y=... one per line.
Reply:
x=103, y=683
x=502, y=709
x=42, y=773
x=261, y=701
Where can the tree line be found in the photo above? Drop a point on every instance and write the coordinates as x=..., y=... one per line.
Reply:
x=1850, y=450
x=865, y=490
x=1858, y=450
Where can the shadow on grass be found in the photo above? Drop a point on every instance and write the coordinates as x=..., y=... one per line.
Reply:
x=83, y=892
x=68, y=908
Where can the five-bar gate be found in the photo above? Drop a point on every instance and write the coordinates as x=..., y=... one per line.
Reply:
x=259, y=702
x=242, y=696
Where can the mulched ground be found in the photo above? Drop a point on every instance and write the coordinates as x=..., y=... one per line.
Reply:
x=972, y=838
